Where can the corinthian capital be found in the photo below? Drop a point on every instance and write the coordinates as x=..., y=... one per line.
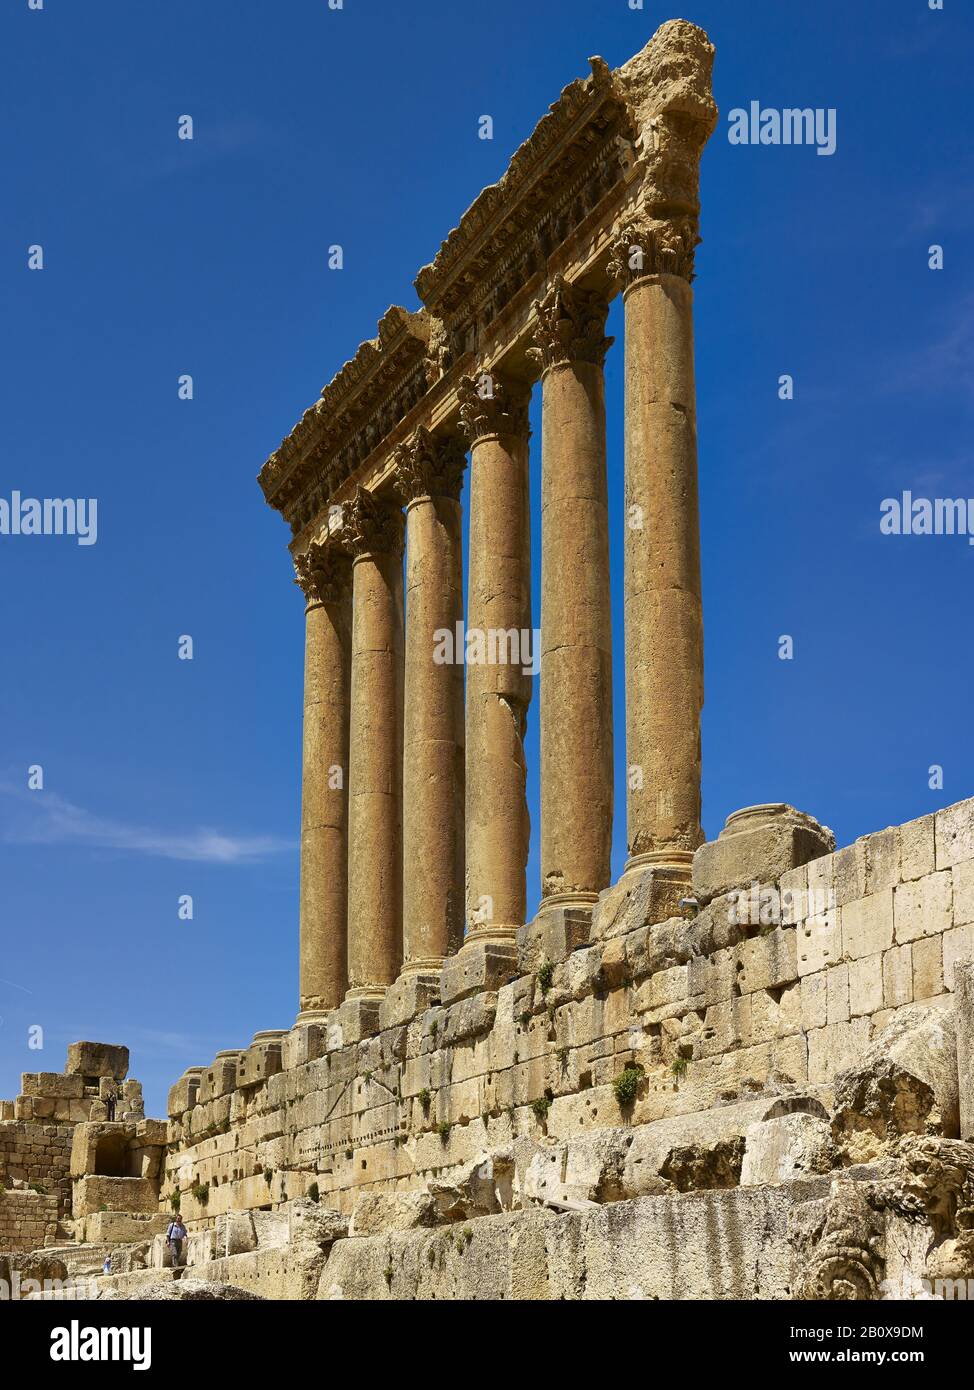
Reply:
x=322, y=572
x=570, y=326
x=647, y=246
x=429, y=465
x=491, y=404
x=370, y=526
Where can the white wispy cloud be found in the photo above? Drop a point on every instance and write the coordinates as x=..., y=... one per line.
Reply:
x=45, y=818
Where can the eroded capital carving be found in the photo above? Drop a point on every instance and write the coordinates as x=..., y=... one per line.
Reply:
x=429, y=465
x=492, y=404
x=650, y=247
x=570, y=326
x=370, y=526
x=323, y=572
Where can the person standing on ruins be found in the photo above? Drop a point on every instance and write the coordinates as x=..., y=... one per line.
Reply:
x=175, y=1235
x=111, y=1099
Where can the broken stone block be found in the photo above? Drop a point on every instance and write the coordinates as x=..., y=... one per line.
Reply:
x=183, y=1095
x=480, y=1188
x=307, y=1221
x=786, y=1147
x=380, y=1212
x=98, y=1059
x=905, y=1083
x=757, y=845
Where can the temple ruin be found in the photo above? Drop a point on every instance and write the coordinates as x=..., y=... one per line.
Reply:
x=743, y=1070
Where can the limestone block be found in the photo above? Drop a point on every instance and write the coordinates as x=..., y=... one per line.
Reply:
x=122, y=1227
x=849, y=873
x=378, y=1213
x=92, y=1194
x=954, y=834
x=835, y=1047
x=964, y=1020
x=306, y=1042
x=928, y=968
x=479, y=1188
x=757, y=844
x=866, y=985
x=882, y=859
x=183, y=1095
x=98, y=1059
x=867, y=925
x=924, y=907
x=963, y=876
x=715, y=927
x=898, y=976
x=553, y=935
x=52, y=1085
x=477, y=966
x=641, y=897
x=958, y=946
x=814, y=999
x=710, y=979
x=917, y=853
x=24, y=1108
x=818, y=942
x=786, y=1147
x=220, y=1078
x=408, y=997
x=307, y=1221
x=767, y=961
x=837, y=1003
x=258, y=1063
x=904, y=1082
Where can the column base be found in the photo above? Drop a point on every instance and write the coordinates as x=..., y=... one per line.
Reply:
x=486, y=960
x=357, y=1017
x=307, y=1039
x=416, y=990
x=557, y=930
x=649, y=891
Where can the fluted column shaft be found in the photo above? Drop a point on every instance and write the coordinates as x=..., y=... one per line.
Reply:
x=429, y=476
x=375, y=747
x=576, y=624
x=663, y=613
x=494, y=417
x=325, y=578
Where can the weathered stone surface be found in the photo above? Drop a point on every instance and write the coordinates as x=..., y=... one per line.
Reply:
x=758, y=845
x=379, y=1212
x=905, y=1083
x=98, y=1059
x=786, y=1147
x=964, y=1025
x=183, y=1290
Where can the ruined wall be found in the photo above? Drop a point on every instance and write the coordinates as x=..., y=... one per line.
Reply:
x=714, y=1011
x=27, y=1219
x=38, y=1155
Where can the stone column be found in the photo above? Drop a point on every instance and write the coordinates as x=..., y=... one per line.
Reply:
x=324, y=575
x=372, y=531
x=576, y=623
x=663, y=618
x=429, y=477
x=494, y=417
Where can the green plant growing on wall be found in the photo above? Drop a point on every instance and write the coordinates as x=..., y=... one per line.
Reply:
x=626, y=1084
x=546, y=971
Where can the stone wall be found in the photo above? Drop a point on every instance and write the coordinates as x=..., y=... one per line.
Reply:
x=38, y=1155
x=713, y=1011
x=27, y=1219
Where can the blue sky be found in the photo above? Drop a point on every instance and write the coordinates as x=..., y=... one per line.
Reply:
x=162, y=257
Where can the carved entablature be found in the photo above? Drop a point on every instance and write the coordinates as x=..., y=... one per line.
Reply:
x=323, y=572
x=428, y=465
x=617, y=149
x=644, y=247
x=491, y=404
x=357, y=410
x=576, y=154
x=370, y=526
x=569, y=326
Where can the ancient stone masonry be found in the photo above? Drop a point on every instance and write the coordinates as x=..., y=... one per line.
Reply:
x=744, y=1070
